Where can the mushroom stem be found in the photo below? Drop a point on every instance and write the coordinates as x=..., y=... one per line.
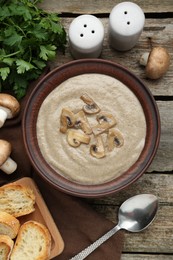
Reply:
x=9, y=166
x=144, y=59
x=3, y=116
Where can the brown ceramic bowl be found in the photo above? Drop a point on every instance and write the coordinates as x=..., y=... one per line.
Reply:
x=55, y=78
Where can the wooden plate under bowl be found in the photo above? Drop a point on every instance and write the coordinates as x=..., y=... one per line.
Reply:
x=42, y=215
x=52, y=80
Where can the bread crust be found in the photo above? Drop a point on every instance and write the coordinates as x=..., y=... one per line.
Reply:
x=6, y=247
x=9, y=225
x=16, y=199
x=35, y=241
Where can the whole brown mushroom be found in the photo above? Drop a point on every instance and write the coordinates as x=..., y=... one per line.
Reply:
x=7, y=165
x=157, y=62
x=9, y=107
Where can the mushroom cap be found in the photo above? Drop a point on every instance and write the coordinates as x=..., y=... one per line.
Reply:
x=158, y=63
x=10, y=103
x=5, y=151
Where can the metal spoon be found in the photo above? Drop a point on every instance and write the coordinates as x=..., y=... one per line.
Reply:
x=134, y=215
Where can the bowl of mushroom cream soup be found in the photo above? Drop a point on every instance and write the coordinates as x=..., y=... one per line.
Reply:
x=91, y=128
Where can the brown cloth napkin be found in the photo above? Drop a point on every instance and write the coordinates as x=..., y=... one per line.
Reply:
x=77, y=222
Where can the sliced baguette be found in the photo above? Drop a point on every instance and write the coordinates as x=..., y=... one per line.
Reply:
x=33, y=242
x=9, y=225
x=6, y=246
x=16, y=199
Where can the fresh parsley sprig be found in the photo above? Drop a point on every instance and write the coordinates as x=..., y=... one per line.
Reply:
x=29, y=37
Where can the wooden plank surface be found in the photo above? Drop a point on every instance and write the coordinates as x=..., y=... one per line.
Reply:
x=103, y=7
x=156, y=32
x=156, y=241
x=146, y=257
x=158, y=237
x=163, y=160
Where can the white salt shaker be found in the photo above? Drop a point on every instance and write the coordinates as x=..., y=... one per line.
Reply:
x=126, y=22
x=86, y=34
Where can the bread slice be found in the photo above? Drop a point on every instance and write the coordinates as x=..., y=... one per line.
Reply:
x=33, y=242
x=16, y=199
x=6, y=246
x=9, y=225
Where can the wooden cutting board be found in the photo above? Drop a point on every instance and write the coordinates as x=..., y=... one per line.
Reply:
x=42, y=215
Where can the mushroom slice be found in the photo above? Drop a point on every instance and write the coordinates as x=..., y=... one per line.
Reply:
x=81, y=121
x=105, y=122
x=75, y=137
x=9, y=107
x=107, y=118
x=100, y=128
x=115, y=139
x=67, y=119
x=91, y=107
x=97, y=150
x=7, y=165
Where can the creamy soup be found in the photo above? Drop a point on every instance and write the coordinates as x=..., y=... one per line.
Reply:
x=77, y=164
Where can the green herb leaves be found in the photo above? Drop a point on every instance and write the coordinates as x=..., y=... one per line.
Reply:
x=4, y=72
x=47, y=51
x=29, y=37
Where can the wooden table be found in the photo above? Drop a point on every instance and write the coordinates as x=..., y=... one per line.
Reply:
x=157, y=241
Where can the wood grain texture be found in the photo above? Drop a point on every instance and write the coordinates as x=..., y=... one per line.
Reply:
x=157, y=32
x=146, y=257
x=163, y=160
x=43, y=216
x=156, y=241
x=158, y=236
x=103, y=7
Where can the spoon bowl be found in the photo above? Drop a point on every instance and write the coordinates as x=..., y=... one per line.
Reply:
x=134, y=215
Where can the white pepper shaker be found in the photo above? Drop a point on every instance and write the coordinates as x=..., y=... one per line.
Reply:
x=126, y=22
x=86, y=33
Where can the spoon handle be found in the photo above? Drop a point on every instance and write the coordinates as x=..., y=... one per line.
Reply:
x=88, y=250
